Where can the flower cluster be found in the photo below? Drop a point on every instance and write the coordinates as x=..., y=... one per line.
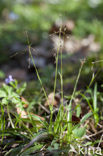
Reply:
x=9, y=79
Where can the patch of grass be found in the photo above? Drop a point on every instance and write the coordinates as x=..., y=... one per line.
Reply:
x=25, y=133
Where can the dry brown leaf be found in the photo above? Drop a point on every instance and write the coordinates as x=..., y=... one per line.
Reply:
x=25, y=105
x=22, y=113
x=52, y=100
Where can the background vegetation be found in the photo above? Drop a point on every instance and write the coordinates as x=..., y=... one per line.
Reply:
x=85, y=79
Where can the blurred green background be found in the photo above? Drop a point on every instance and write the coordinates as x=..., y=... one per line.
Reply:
x=37, y=16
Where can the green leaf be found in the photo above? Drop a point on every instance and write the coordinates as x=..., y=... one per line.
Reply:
x=79, y=132
x=15, y=95
x=56, y=146
x=21, y=89
x=15, y=100
x=14, y=84
x=85, y=117
x=7, y=89
x=13, y=151
x=78, y=110
x=2, y=93
x=4, y=101
x=32, y=149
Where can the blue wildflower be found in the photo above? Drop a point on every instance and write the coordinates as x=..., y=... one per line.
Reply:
x=9, y=79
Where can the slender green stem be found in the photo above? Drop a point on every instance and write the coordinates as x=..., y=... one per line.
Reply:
x=69, y=111
x=62, y=76
x=10, y=117
x=56, y=73
x=37, y=71
x=57, y=57
x=2, y=123
x=30, y=54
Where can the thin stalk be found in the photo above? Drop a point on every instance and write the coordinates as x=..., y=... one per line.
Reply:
x=55, y=81
x=2, y=123
x=38, y=76
x=61, y=76
x=30, y=54
x=95, y=107
x=57, y=57
x=10, y=117
x=69, y=111
x=61, y=106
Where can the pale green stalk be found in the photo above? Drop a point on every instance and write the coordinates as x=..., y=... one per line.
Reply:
x=96, y=117
x=10, y=117
x=55, y=81
x=69, y=110
x=30, y=54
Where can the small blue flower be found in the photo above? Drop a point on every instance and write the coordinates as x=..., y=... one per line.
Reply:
x=9, y=79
